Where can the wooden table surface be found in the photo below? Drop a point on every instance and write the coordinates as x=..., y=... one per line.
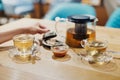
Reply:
x=69, y=68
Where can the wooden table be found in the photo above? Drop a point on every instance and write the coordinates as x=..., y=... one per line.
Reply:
x=71, y=68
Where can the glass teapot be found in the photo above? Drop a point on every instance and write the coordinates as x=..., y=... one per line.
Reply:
x=79, y=27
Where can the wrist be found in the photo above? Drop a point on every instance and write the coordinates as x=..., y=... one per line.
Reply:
x=24, y=30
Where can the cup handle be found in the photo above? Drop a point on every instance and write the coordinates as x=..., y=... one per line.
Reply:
x=83, y=43
x=36, y=47
x=58, y=20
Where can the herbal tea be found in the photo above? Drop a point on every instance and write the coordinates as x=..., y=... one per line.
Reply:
x=76, y=43
x=96, y=48
x=23, y=42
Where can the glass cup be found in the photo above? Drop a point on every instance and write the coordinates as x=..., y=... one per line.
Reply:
x=59, y=50
x=23, y=44
x=96, y=50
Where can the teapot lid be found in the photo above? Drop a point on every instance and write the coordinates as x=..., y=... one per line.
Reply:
x=92, y=18
x=79, y=18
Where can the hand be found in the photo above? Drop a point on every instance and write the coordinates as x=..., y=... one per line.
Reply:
x=37, y=28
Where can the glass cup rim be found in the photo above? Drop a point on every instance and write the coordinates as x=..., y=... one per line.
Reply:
x=105, y=42
x=62, y=45
x=18, y=35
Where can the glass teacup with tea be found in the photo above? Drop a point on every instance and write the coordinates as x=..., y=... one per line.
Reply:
x=24, y=48
x=23, y=42
x=96, y=51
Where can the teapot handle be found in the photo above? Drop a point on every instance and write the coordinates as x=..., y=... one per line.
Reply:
x=57, y=30
x=83, y=43
x=57, y=20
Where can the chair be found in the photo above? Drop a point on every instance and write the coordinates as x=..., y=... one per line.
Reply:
x=1, y=6
x=2, y=15
x=17, y=7
x=114, y=20
x=66, y=9
x=56, y=2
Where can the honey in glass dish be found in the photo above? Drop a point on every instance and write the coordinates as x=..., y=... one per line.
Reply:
x=59, y=50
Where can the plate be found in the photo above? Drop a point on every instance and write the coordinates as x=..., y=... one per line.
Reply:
x=51, y=42
x=104, y=58
x=28, y=57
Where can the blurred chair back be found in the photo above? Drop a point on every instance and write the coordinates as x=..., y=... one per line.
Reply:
x=56, y=2
x=17, y=7
x=66, y=9
x=114, y=20
x=1, y=6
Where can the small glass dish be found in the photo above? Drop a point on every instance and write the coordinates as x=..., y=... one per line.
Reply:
x=60, y=50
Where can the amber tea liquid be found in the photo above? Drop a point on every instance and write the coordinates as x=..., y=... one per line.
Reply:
x=96, y=48
x=23, y=42
x=76, y=43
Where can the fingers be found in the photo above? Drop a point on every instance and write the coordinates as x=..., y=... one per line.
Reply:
x=41, y=29
x=40, y=26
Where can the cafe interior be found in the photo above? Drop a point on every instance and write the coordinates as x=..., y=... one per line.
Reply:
x=82, y=42
x=104, y=10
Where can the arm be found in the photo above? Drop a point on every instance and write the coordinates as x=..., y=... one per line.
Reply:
x=5, y=36
x=37, y=28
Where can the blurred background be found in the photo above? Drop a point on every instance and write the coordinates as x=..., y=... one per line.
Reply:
x=11, y=10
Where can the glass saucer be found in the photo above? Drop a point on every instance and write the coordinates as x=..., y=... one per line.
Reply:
x=106, y=57
x=28, y=57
